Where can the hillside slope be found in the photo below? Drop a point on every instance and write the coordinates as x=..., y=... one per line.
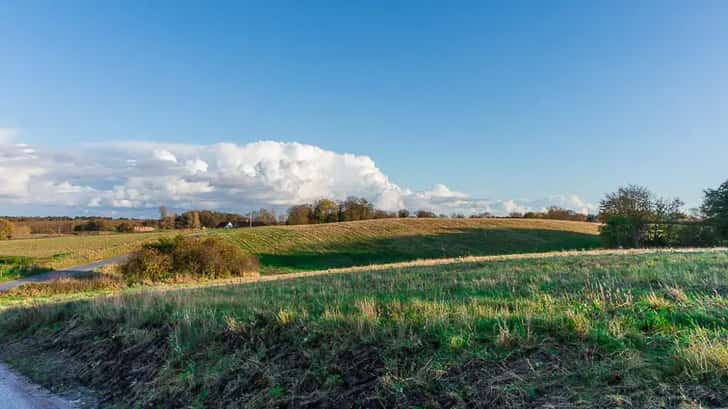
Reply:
x=598, y=331
x=309, y=247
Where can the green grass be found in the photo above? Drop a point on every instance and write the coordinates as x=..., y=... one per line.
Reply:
x=284, y=249
x=314, y=247
x=14, y=267
x=586, y=331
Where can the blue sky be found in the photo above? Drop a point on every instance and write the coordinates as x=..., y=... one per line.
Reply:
x=499, y=101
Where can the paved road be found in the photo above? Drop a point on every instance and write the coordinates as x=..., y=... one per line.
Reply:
x=16, y=392
x=67, y=272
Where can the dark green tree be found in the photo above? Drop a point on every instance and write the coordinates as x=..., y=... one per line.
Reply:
x=715, y=209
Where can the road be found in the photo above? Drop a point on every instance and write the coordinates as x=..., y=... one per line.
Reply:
x=68, y=272
x=16, y=392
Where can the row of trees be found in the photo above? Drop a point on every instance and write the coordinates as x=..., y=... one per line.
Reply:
x=329, y=211
x=352, y=209
x=633, y=216
x=556, y=213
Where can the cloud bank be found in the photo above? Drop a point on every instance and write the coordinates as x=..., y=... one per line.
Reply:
x=132, y=177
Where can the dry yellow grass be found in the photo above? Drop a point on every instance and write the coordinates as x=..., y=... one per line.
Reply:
x=65, y=251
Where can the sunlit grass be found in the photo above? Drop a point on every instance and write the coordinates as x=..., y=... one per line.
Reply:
x=592, y=331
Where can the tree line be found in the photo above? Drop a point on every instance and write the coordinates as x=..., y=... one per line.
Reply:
x=634, y=216
x=351, y=209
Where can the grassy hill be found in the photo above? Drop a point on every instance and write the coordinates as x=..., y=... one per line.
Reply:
x=579, y=332
x=311, y=247
x=66, y=251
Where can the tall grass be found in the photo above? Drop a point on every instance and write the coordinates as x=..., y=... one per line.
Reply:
x=599, y=331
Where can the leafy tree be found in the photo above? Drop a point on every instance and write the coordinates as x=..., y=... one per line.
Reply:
x=125, y=227
x=189, y=220
x=715, y=209
x=356, y=209
x=95, y=225
x=6, y=230
x=425, y=214
x=635, y=217
x=264, y=217
x=403, y=213
x=559, y=213
x=300, y=214
x=325, y=211
x=383, y=214
x=626, y=213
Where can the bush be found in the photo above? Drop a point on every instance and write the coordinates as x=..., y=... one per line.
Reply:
x=182, y=258
x=125, y=227
x=618, y=232
x=6, y=230
x=95, y=225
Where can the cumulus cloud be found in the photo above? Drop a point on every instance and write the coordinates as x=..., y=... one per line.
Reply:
x=133, y=176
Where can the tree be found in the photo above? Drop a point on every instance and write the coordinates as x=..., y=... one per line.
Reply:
x=425, y=214
x=300, y=214
x=6, y=230
x=125, y=227
x=95, y=225
x=635, y=217
x=325, y=211
x=515, y=215
x=626, y=213
x=190, y=220
x=264, y=217
x=403, y=213
x=383, y=214
x=715, y=209
x=356, y=209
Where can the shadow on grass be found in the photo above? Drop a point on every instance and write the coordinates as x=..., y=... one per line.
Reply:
x=454, y=243
x=15, y=267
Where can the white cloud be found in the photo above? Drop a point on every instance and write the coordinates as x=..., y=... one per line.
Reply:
x=134, y=176
x=164, y=155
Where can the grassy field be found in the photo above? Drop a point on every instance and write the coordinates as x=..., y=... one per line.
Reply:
x=313, y=247
x=646, y=330
x=66, y=251
x=15, y=267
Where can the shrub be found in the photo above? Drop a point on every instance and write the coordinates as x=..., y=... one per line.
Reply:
x=125, y=227
x=6, y=229
x=618, y=232
x=95, y=225
x=188, y=258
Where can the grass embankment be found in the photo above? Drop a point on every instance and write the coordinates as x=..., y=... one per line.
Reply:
x=66, y=251
x=14, y=267
x=314, y=247
x=590, y=331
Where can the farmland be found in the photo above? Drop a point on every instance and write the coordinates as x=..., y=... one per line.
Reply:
x=313, y=247
x=583, y=331
x=65, y=251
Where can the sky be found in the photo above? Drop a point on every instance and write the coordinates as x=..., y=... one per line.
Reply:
x=116, y=109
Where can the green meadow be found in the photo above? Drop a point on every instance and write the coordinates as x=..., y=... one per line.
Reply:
x=585, y=331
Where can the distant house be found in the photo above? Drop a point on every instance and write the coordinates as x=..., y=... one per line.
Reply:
x=229, y=225
x=143, y=229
